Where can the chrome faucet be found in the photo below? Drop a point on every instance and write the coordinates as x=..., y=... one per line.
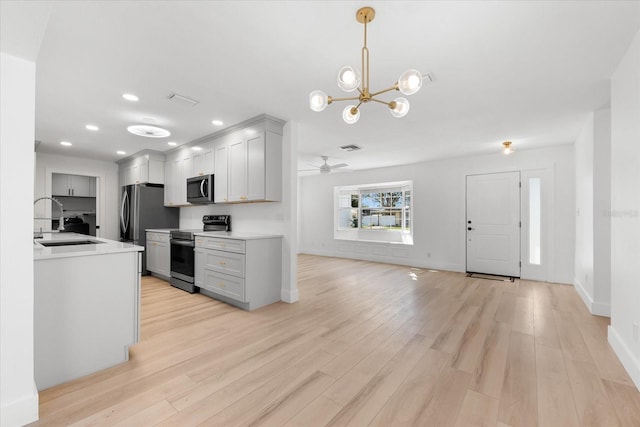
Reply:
x=61, y=223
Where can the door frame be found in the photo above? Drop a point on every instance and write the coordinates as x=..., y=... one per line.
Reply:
x=543, y=272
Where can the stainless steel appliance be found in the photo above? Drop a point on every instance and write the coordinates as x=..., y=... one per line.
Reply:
x=200, y=189
x=142, y=207
x=182, y=251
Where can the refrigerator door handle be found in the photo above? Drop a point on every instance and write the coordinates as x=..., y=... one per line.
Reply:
x=123, y=227
x=136, y=213
x=127, y=211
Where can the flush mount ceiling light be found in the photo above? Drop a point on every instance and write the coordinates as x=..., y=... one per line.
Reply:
x=122, y=153
x=148, y=131
x=173, y=144
x=130, y=97
x=217, y=122
x=92, y=128
x=66, y=143
x=507, y=148
x=349, y=80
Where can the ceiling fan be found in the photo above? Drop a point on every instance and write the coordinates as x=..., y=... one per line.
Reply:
x=325, y=167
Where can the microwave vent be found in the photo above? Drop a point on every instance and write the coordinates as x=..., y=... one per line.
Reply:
x=185, y=101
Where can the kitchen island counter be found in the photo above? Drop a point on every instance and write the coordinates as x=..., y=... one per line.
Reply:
x=105, y=246
x=86, y=306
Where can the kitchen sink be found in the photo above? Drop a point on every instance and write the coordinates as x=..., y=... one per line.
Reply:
x=69, y=242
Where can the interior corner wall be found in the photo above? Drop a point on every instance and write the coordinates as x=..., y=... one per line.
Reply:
x=625, y=211
x=108, y=193
x=583, y=263
x=602, y=212
x=438, y=210
x=18, y=394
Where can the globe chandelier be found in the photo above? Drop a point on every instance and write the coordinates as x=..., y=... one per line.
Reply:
x=349, y=80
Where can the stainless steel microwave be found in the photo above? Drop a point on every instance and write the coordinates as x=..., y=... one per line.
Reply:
x=200, y=189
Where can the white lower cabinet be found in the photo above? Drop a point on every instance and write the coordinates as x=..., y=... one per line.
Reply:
x=158, y=252
x=246, y=273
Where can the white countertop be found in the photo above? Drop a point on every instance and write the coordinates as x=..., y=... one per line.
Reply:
x=161, y=230
x=237, y=235
x=106, y=247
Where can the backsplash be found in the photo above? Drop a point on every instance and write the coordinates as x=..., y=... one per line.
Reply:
x=250, y=217
x=75, y=205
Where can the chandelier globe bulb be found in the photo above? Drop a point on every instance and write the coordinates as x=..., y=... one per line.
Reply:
x=350, y=114
x=410, y=82
x=318, y=100
x=400, y=107
x=348, y=79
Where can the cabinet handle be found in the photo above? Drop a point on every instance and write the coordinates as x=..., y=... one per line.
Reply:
x=222, y=263
x=223, y=244
x=225, y=199
x=221, y=285
x=243, y=198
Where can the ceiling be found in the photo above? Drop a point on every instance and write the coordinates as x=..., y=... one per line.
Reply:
x=528, y=72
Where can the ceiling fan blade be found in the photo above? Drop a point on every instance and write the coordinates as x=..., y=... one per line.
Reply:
x=315, y=166
x=339, y=165
x=307, y=170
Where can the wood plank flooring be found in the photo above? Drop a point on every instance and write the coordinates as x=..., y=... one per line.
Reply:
x=368, y=344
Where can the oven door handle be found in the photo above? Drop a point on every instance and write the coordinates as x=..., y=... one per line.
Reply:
x=190, y=243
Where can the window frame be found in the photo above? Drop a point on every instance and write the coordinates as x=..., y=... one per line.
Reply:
x=343, y=202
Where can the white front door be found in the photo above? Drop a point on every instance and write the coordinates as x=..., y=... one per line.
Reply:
x=493, y=224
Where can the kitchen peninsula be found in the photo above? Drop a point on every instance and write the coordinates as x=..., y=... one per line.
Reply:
x=86, y=305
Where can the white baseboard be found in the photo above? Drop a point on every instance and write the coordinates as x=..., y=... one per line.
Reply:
x=627, y=358
x=594, y=307
x=20, y=412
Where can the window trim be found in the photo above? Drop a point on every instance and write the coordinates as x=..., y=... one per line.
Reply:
x=403, y=235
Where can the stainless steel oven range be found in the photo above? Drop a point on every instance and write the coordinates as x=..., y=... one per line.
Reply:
x=182, y=251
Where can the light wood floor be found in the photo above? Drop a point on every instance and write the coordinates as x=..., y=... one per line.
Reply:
x=367, y=344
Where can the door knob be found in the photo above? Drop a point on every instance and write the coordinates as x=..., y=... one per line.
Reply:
x=469, y=228
x=469, y=222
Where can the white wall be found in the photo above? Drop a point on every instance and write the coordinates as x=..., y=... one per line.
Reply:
x=108, y=189
x=18, y=394
x=439, y=210
x=625, y=210
x=268, y=217
x=593, y=233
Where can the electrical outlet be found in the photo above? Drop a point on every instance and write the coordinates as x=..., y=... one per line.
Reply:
x=635, y=331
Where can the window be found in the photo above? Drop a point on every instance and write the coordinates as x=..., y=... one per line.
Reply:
x=374, y=212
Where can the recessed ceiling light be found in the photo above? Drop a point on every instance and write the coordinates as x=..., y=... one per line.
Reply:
x=173, y=144
x=121, y=152
x=196, y=148
x=217, y=122
x=92, y=127
x=148, y=131
x=130, y=97
x=66, y=143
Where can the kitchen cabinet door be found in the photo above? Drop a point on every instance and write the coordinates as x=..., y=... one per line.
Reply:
x=80, y=185
x=255, y=169
x=203, y=160
x=237, y=171
x=60, y=185
x=221, y=159
x=170, y=186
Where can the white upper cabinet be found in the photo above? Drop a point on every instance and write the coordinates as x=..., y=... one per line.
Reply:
x=203, y=163
x=252, y=154
x=221, y=167
x=72, y=185
x=178, y=167
x=145, y=168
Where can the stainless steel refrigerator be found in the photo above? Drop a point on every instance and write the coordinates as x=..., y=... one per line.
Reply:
x=142, y=207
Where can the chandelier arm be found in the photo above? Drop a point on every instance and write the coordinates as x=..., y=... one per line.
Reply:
x=381, y=102
x=365, y=63
x=351, y=98
x=394, y=87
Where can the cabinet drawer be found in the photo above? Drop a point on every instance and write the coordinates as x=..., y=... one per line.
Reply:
x=224, y=284
x=224, y=262
x=157, y=237
x=230, y=245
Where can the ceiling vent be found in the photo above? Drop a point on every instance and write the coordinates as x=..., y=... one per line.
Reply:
x=351, y=147
x=185, y=101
